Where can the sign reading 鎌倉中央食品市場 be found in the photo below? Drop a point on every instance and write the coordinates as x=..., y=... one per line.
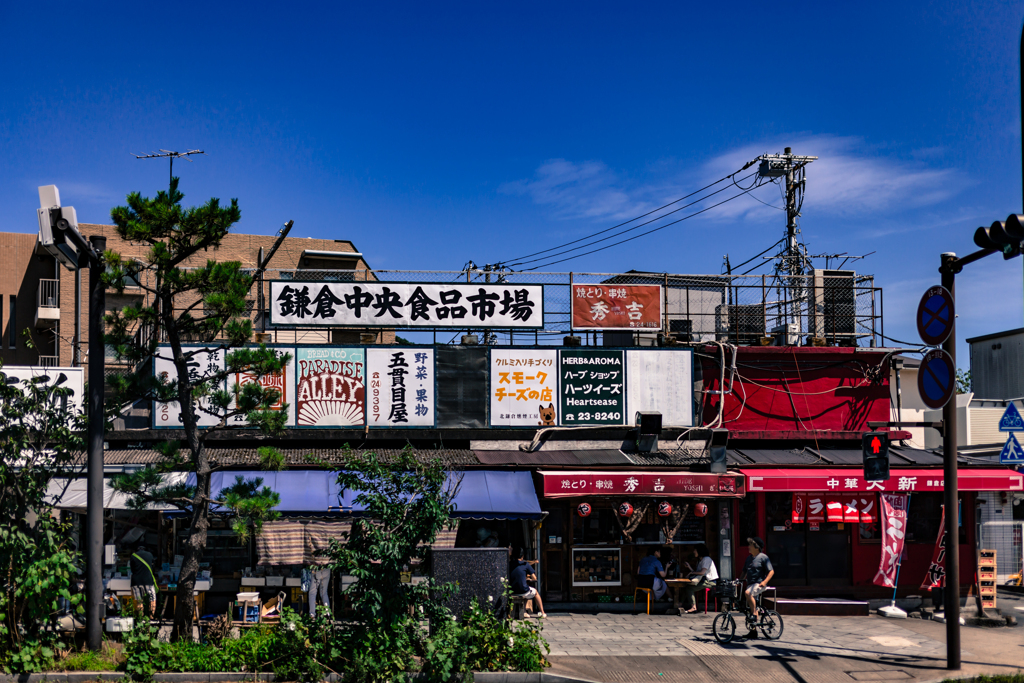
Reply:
x=378, y=304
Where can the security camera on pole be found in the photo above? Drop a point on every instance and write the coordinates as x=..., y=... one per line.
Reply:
x=59, y=236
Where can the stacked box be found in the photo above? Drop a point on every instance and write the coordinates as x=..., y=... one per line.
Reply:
x=987, y=578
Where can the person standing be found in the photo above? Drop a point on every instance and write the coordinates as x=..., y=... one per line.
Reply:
x=319, y=579
x=758, y=571
x=703, y=576
x=143, y=579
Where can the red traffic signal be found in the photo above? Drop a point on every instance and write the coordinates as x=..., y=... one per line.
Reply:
x=875, y=449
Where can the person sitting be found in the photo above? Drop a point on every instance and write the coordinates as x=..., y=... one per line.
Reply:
x=517, y=581
x=703, y=576
x=651, y=566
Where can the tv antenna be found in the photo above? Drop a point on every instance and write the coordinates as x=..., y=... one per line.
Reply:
x=168, y=154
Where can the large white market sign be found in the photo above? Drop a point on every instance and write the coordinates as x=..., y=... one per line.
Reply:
x=376, y=304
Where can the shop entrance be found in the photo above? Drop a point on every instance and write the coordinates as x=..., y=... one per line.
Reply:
x=806, y=554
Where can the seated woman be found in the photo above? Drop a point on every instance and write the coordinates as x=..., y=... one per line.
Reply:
x=702, y=577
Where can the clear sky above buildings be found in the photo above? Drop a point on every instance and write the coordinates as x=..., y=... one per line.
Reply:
x=434, y=133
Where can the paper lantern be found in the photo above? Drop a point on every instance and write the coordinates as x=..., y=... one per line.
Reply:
x=625, y=510
x=584, y=509
x=664, y=508
x=700, y=509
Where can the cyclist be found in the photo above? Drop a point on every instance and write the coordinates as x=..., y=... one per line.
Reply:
x=758, y=571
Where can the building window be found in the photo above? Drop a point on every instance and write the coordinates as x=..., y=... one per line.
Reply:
x=12, y=325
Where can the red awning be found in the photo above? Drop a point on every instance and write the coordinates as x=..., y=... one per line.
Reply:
x=795, y=480
x=703, y=485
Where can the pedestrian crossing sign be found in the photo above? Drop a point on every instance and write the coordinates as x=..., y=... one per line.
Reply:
x=1012, y=453
x=1011, y=421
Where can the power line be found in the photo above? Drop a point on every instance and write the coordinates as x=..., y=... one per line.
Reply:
x=601, y=232
x=629, y=239
x=635, y=227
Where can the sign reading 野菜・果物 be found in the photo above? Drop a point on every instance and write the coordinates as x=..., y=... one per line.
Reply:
x=401, y=387
x=377, y=304
x=616, y=307
x=591, y=386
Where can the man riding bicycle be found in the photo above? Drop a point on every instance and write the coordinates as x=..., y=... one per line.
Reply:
x=758, y=571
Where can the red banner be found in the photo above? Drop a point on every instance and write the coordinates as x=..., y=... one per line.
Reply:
x=868, y=508
x=894, y=529
x=565, y=484
x=902, y=481
x=799, y=507
x=936, y=574
x=851, y=503
x=834, y=505
x=616, y=307
x=815, y=507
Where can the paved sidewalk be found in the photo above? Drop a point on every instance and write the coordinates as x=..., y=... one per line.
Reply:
x=622, y=648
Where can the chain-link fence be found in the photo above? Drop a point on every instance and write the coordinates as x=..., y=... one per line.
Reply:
x=825, y=307
x=1007, y=539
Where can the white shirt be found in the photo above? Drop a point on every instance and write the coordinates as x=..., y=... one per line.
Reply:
x=707, y=568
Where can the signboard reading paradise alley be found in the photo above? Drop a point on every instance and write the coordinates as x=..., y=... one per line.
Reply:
x=592, y=387
x=378, y=304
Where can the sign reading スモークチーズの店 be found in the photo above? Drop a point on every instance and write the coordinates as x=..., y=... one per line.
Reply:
x=376, y=304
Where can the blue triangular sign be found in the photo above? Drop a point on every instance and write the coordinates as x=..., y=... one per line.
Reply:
x=1011, y=421
x=1012, y=453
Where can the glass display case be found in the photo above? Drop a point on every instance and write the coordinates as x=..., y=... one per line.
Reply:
x=596, y=566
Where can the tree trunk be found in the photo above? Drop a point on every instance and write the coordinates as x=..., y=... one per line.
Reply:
x=194, y=546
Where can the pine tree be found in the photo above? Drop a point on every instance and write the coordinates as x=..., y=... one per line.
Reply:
x=186, y=302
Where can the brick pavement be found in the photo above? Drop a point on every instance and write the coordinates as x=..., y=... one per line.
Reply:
x=622, y=648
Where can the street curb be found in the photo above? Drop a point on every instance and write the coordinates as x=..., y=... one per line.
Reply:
x=233, y=677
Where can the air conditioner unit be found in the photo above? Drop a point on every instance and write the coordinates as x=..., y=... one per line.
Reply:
x=786, y=335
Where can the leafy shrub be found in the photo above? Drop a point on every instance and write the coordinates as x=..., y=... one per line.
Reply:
x=446, y=655
x=141, y=649
x=496, y=644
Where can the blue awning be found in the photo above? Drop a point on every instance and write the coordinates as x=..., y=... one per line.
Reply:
x=483, y=494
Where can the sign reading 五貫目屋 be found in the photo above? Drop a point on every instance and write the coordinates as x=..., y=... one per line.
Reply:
x=616, y=307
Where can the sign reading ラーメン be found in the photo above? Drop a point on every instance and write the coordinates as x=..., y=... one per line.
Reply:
x=376, y=304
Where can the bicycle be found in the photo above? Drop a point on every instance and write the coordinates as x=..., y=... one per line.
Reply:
x=724, y=625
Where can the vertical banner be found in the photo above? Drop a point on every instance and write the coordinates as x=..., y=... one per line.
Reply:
x=590, y=384
x=523, y=385
x=936, y=574
x=331, y=387
x=401, y=383
x=868, y=509
x=661, y=380
x=834, y=505
x=815, y=508
x=799, y=507
x=894, y=531
x=616, y=307
x=283, y=382
x=203, y=364
x=851, y=513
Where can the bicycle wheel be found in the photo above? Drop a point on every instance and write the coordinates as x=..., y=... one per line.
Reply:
x=771, y=624
x=724, y=627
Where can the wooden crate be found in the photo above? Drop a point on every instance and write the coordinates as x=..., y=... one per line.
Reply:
x=987, y=603
x=986, y=573
x=986, y=558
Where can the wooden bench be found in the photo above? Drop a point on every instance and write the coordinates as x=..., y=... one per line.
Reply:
x=518, y=610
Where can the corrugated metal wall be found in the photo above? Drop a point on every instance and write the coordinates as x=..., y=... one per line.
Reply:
x=997, y=367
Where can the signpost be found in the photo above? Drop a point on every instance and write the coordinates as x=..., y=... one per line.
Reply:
x=936, y=380
x=1011, y=421
x=935, y=315
x=1012, y=453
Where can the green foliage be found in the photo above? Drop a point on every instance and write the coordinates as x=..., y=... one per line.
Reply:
x=497, y=644
x=446, y=655
x=963, y=381
x=141, y=649
x=108, y=658
x=189, y=298
x=39, y=434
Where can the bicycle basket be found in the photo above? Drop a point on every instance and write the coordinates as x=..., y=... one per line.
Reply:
x=726, y=590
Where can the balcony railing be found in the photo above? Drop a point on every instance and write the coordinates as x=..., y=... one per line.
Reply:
x=48, y=361
x=49, y=294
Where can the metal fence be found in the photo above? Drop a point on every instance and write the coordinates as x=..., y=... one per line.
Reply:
x=835, y=307
x=1007, y=539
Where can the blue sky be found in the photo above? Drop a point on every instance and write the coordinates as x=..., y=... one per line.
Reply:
x=434, y=133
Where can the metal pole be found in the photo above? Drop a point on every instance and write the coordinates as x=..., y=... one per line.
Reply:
x=77, y=349
x=94, y=486
x=949, y=454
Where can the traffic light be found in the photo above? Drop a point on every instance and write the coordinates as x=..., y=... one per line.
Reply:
x=875, y=447
x=58, y=229
x=1002, y=236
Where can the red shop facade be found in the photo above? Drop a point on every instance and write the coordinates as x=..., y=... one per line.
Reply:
x=822, y=529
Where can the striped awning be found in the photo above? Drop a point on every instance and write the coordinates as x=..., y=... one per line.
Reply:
x=302, y=542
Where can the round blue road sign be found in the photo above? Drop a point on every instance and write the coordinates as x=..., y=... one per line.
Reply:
x=935, y=316
x=936, y=380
